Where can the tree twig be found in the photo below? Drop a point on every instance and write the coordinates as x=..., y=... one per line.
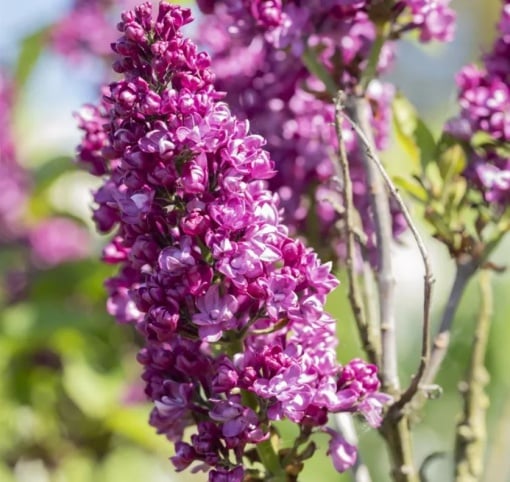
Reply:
x=397, y=434
x=428, y=277
x=371, y=306
x=471, y=433
x=395, y=428
x=358, y=110
x=464, y=272
x=355, y=297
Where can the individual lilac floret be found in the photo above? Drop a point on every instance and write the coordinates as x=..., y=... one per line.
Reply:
x=215, y=315
x=230, y=306
x=342, y=453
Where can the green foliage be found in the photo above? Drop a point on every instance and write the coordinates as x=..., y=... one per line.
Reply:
x=31, y=49
x=436, y=181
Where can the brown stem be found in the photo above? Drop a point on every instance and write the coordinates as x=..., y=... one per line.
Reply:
x=396, y=431
x=471, y=434
x=428, y=277
x=379, y=201
x=464, y=272
x=355, y=297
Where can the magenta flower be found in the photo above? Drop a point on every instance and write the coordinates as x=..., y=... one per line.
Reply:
x=434, y=19
x=14, y=180
x=225, y=475
x=58, y=240
x=272, y=88
x=227, y=302
x=215, y=314
x=484, y=98
x=342, y=453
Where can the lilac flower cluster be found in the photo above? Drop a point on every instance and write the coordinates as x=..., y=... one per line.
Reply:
x=231, y=307
x=87, y=30
x=287, y=23
x=14, y=181
x=259, y=65
x=434, y=19
x=51, y=241
x=484, y=97
x=57, y=240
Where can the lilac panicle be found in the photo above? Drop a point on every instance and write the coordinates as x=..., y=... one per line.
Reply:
x=257, y=49
x=42, y=245
x=57, y=240
x=230, y=306
x=87, y=30
x=434, y=19
x=286, y=23
x=484, y=98
x=14, y=180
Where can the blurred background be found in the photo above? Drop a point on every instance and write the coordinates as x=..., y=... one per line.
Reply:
x=71, y=405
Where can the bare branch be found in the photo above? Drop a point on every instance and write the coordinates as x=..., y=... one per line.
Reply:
x=428, y=278
x=464, y=272
x=355, y=297
x=358, y=109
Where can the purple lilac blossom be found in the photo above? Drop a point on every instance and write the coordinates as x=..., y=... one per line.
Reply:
x=53, y=240
x=229, y=304
x=286, y=23
x=434, y=19
x=58, y=240
x=14, y=180
x=87, y=30
x=271, y=87
x=484, y=98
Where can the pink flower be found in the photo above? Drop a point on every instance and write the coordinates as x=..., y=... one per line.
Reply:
x=58, y=240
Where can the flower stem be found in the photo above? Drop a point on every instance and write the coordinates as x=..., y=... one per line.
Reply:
x=382, y=33
x=270, y=461
x=309, y=58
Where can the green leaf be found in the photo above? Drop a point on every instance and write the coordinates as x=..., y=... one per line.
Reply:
x=426, y=143
x=404, y=122
x=48, y=172
x=96, y=395
x=412, y=187
x=413, y=134
x=451, y=162
x=480, y=139
x=31, y=49
x=131, y=423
